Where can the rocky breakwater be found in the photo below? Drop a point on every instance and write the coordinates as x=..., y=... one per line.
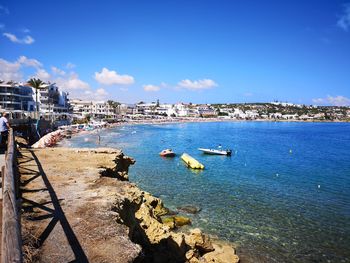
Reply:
x=141, y=213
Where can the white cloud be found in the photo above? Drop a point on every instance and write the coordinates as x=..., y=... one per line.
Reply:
x=29, y=62
x=344, y=20
x=28, y=40
x=13, y=38
x=42, y=74
x=70, y=65
x=69, y=81
x=318, y=101
x=111, y=77
x=58, y=71
x=93, y=95
x=151, y=88
x=11, y=70
x=72, y=83
x=339, y=101
x=101, y=92
x=334, y=101
x=197, y=84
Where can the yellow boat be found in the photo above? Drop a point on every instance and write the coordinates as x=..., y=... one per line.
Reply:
x=191, y=162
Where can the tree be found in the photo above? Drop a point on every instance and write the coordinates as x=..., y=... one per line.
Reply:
x=37, y=85
x=113, y=104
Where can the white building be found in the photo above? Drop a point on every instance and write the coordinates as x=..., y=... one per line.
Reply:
x=16, y=96
x=238, y=114
x=51, y=100
x=181, y=109
x=94, y=109
x=20, y=96
x=166, y=110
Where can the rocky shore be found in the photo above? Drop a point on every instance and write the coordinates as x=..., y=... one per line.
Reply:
x=87, y=193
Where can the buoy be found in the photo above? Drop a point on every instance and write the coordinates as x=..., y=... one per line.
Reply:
x=319, y=186
x=290, y=151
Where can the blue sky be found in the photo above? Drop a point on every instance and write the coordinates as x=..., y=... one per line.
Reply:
x=190, y=51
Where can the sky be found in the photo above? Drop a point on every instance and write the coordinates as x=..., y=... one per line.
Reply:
x=199, y=51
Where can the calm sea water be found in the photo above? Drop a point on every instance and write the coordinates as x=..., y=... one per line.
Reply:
x=284, y=195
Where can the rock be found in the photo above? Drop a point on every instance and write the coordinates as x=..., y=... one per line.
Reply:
x=121, y=168
x=175, y=221
x=197, y=240
x=169, y=221
x=171, y=212
x=141, y=212
x=189, y=254
x=222, y=254
x=156, y=204
x=190, y=209
x=181, y=221
x=194, y=260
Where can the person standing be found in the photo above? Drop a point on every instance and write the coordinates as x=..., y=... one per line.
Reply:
x=38, y=126
x=4, y=129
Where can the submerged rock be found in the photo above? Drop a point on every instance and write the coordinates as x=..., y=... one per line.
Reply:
x=190, y=209
x=181, y=221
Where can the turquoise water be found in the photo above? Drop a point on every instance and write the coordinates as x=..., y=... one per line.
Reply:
x=284, y=196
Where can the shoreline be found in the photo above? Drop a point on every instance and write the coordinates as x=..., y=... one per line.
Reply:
x=68, y=132
x=206, y=120
x=97, y=198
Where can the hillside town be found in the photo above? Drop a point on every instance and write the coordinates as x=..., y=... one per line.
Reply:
x=19, y=99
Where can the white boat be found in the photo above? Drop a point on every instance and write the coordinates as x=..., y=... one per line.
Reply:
x=215, y=151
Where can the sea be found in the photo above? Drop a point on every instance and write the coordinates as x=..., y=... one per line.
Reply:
x=283, y=195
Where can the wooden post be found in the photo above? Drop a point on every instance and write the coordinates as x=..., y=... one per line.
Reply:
x=11, y=246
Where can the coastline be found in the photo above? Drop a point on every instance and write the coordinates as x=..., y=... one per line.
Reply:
x=156, y=124
x=68, y=131
x=205, y=120
x=97, y=198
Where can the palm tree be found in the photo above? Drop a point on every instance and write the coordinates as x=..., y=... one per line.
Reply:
x=37, y=85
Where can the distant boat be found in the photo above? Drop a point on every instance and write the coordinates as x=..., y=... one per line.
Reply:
x=216, y=151
x=167, y=153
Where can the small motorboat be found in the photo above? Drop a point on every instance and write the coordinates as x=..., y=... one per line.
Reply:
x=167, y=153
x=216, y=151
